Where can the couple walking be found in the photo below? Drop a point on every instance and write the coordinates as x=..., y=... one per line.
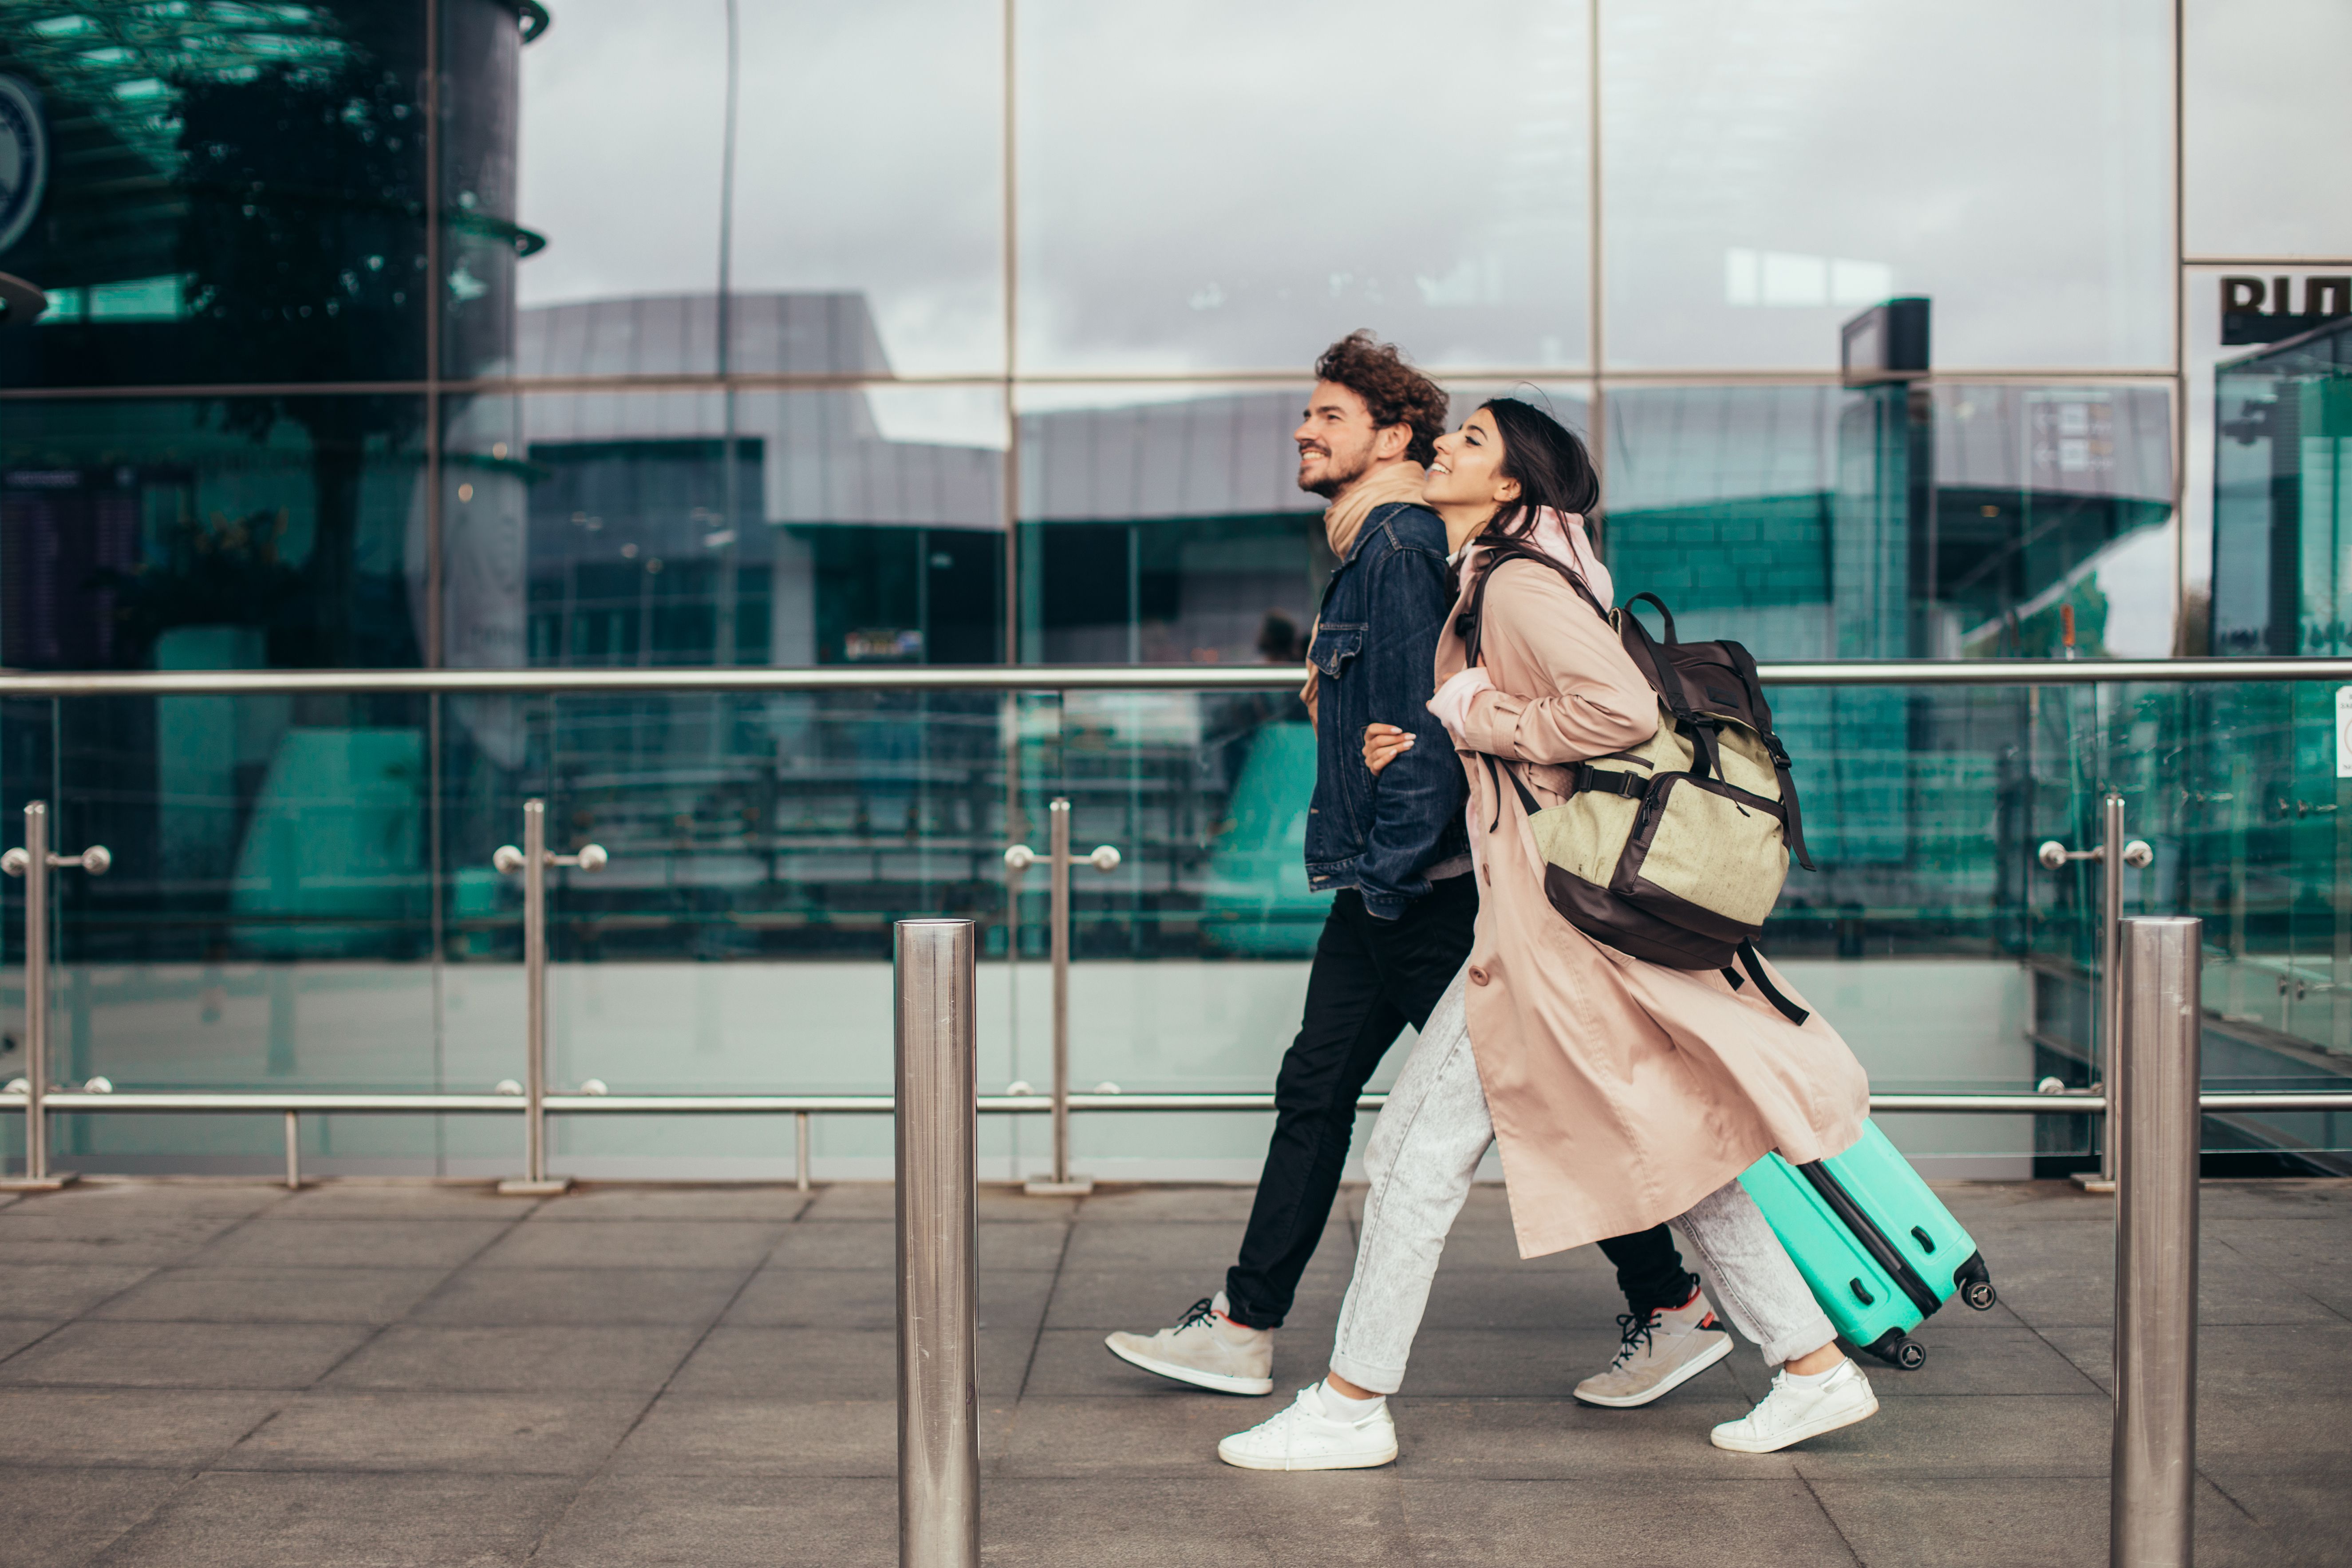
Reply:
x=1623, y=1094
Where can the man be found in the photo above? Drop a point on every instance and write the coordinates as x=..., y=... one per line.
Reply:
x=1394, y=851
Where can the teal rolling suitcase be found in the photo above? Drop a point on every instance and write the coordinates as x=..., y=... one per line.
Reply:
x=1877, y=1247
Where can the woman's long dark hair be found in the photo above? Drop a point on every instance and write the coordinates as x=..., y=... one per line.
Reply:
x=1551, y=465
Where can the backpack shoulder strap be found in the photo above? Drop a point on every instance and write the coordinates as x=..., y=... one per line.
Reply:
x=1744, y=663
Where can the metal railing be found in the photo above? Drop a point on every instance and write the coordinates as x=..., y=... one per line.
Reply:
x=39, y=1100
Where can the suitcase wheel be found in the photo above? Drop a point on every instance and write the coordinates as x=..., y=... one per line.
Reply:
x=1975, y=1282
x=1909, y=1354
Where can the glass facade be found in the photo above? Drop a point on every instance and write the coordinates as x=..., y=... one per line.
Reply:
x=475, y=334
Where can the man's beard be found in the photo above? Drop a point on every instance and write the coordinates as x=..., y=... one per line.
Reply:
x=1337, y=477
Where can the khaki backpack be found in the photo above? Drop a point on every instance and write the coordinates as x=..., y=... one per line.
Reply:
x=1674, y=850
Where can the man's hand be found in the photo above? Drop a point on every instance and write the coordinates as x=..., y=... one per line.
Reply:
x=1383, y=743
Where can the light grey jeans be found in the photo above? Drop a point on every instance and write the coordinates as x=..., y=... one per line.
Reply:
x=1424, y=1152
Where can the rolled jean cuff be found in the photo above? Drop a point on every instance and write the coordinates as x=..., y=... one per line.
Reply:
x=1793, y=1343
x=1378, y=1379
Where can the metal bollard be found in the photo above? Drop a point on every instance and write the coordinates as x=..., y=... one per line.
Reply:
x=2153, y=1472
x=533, y=860
x=938, y=1126
x=34, y=862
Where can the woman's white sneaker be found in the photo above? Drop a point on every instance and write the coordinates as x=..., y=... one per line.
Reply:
x=1302, y=1438
x=1798, y=1408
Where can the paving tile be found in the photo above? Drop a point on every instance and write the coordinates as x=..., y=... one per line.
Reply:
x=639, y=1242
x=552, y=1360
x=1966, y=1437
x=1204, y=1249
x=140, y=1428
x=1221, y=1204
x=62, y=1289
x=1967, y=1358
x=405, y=1200
x=488, y=1297
x=354, y=1244
x=15, y=1333
x=691, y=1434
x=776, y=1204
x=1514, y=1364
x=111, y=1197
x=1757, y=1523
x=1072, y=1364
x=1531, y=1299
x=37, y=1233
x=248, y=1519
x=2020, y=1523
x=477, y=1433
x=880, y=1201
x=2253, y=1384
x=274, y=1295
x=61, y=1518
x=1144, y=1299
x=1237, y=1520
x=869, y=1244
x=1010, y=1299
x=184, y=1355
x=831, y=1363
x=2301, y=1517
x=627, y=1520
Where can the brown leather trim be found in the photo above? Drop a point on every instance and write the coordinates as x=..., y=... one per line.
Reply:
x=1604, y=917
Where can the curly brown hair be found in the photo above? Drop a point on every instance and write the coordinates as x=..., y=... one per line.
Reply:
x=1394, y=392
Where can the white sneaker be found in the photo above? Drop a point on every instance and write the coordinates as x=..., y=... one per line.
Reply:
x=1795, y=1411
x=1205, y=1349
x=1303, y=1438
x=1658, y=1355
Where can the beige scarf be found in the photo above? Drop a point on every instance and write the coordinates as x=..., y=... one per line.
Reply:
x=1344, y=519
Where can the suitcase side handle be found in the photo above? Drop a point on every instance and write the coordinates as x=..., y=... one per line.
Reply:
x=1873, y=1240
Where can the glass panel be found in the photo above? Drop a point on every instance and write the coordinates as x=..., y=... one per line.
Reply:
x=2282, y=499
x=1796, y=519
x=1770, y=171
x=284, y=879
x=888, y=118
x=607, y=529
x=229, y=193
x=212, y=534
x=1191, y=201
x=623, y=130
x=2267, y=119
x=1164, y=525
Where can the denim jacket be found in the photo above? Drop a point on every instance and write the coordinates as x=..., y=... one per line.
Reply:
x=1375, y=657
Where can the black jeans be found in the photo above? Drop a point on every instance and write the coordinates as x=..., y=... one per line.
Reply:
x=1371, y=978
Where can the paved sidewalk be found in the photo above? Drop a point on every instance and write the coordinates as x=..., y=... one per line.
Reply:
x=200, y=1374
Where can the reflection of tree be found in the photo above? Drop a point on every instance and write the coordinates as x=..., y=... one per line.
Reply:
x=223, y=572
x=303, y=242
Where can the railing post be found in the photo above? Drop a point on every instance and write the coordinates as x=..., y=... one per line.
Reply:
x=1017, y=859
x=937, y=1136
x=34, y=862
x=2154, y=1468
x=533, y=860
x=2111, y=977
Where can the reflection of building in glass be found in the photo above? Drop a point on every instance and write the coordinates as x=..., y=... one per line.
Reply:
x=2283, y=498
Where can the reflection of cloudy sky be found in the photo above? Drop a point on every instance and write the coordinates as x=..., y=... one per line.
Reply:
x=1228, y=184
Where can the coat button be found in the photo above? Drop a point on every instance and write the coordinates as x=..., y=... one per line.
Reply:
x=1477, y=976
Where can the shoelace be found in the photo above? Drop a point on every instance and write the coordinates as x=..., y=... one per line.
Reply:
x=1201, y=1311
x=1634, y=1332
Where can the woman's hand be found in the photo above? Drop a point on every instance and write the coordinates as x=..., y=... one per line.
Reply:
x=1384, y=743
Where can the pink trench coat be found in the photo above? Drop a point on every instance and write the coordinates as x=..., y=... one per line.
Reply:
x=1622, y=1092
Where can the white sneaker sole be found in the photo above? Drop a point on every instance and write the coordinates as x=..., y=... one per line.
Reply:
x=1682, y=1374
x=1215, y=1381
x=1789, y=1439
x=1365, y=1461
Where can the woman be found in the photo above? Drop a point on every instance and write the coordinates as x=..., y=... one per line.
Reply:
x=1623, y=1093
